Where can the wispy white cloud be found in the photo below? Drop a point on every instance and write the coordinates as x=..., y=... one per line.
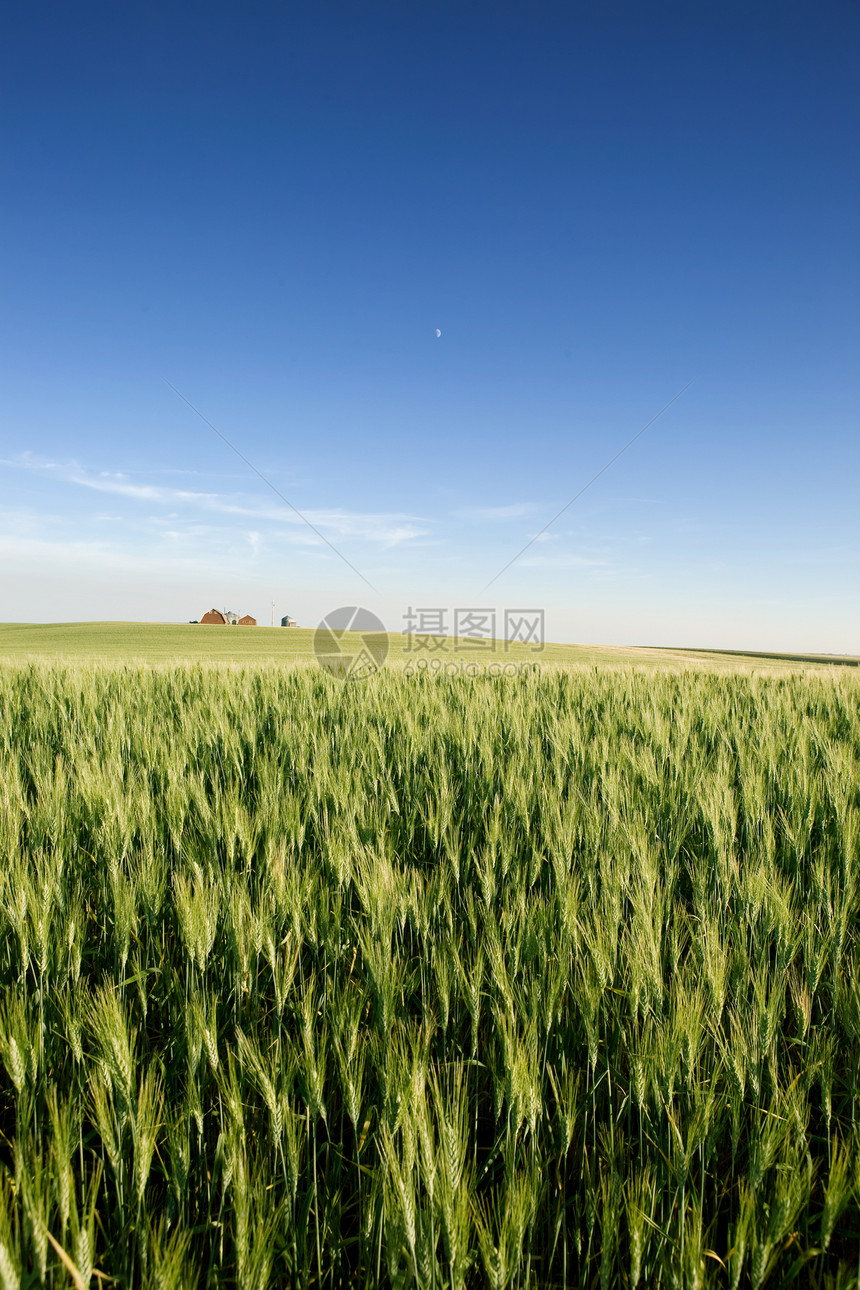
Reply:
x=42, y=544
x=611, y=500
x=563, y=560
x=384, y=528
x=86, y=555
x=481, y=514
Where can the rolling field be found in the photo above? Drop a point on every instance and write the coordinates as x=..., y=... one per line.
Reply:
x=180, y=642
x=536, y=981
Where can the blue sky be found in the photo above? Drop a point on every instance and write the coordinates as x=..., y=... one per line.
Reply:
x=275, y=207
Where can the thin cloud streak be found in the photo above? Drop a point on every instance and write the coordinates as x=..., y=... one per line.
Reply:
x=91, y=556
x=585, y=487
x=479, y=514
x=386, y=528
x=560, y=560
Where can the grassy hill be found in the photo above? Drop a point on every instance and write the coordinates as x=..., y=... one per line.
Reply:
x=191, y=642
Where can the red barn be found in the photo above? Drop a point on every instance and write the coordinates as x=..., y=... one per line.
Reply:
x=247, y=621
x=214, y=616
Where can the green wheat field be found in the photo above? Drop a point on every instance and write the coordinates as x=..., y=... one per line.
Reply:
x=536, y=981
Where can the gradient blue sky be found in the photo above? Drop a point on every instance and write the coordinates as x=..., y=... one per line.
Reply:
x=275, y=206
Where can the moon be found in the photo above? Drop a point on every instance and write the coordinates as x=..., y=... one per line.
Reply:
x=438, y=333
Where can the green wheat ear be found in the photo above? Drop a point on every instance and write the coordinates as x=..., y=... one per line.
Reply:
x=169, y=1264
x=837, y=1192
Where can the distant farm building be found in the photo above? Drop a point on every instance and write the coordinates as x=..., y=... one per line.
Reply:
x=226, y=618
x=286, y=621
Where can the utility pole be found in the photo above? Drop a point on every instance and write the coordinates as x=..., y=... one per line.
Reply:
x=273, y=613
